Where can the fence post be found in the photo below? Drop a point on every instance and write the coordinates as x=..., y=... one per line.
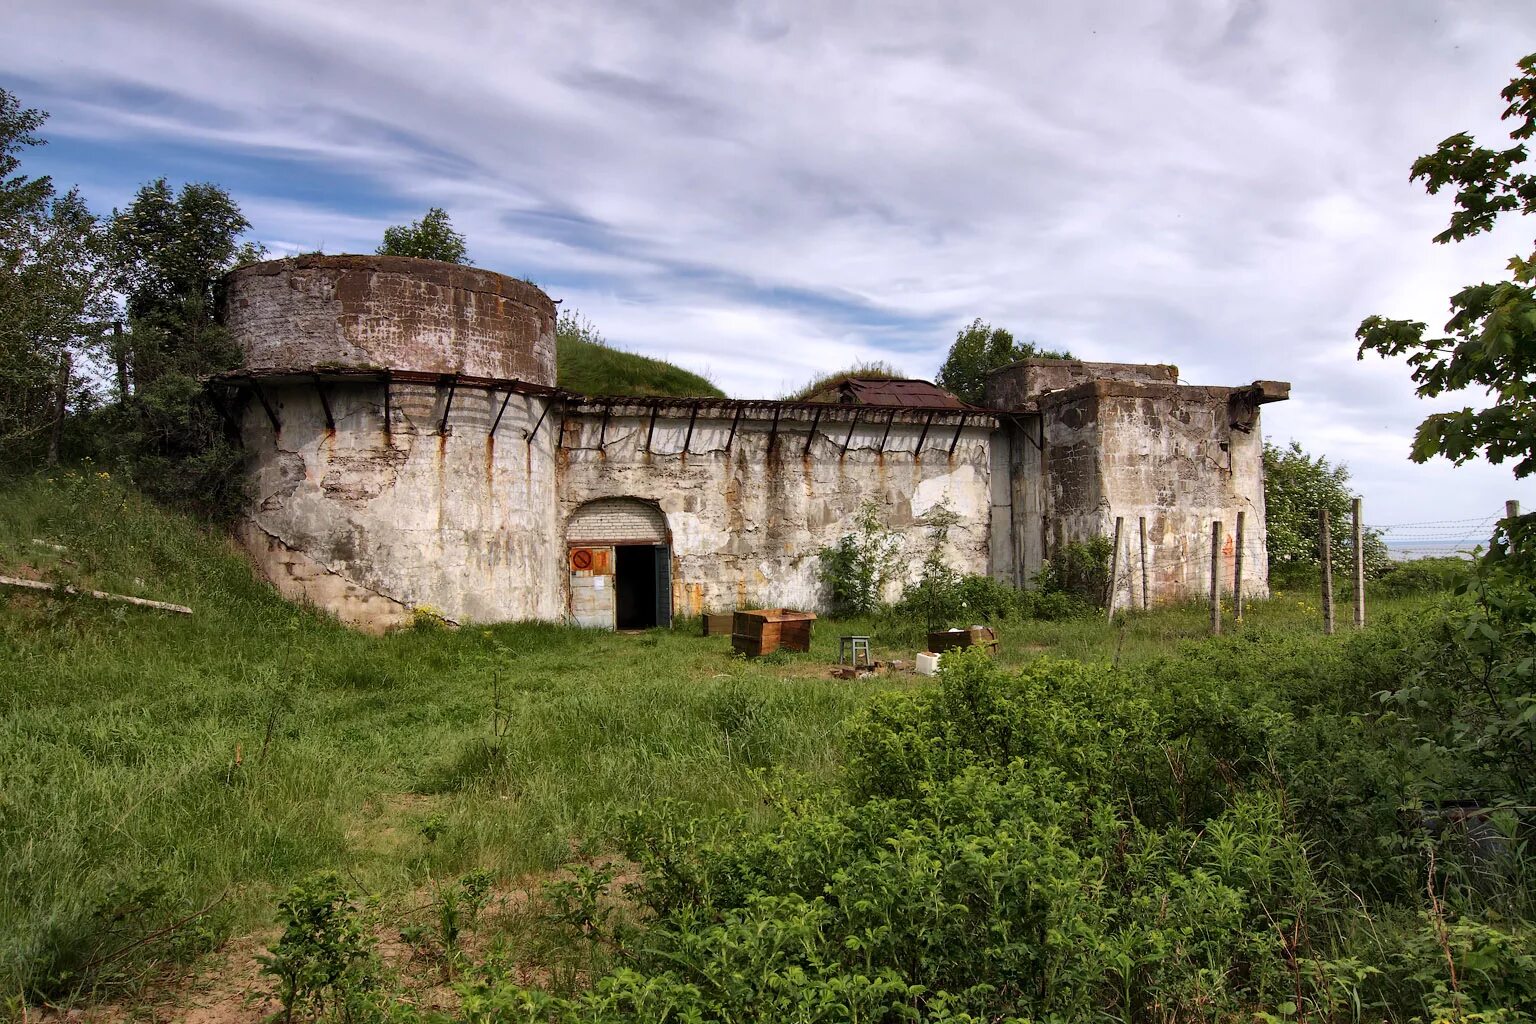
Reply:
x=1237, y=572
x=1325, y=543
x=1511, y=509
x=1358, y=534
x=1216, y=578
x=1145, y=604
x=1114, y=571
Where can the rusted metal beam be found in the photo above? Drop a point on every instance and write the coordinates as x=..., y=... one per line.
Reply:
x=261, y=396
x=815, y=421
x=387, y=416
x=858, y=411
x=497, y=422
x=602, y=433
x=735, y=422
x=924, y=435
x=651, y=430
x=693, y=415
x=956, y=439
x=453, y=385
x=549, y=404
x=773, y=433
x=325, y=405
x=886, y=436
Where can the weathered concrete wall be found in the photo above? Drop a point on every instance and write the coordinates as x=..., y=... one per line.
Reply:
x=746, y=524
x=1165, y=452
x=368, y=523
x=370, y=312
x=1019, y=385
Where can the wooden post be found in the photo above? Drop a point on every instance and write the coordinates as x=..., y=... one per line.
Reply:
x=1326, y=544
x=1237, y=571
x=1145, y=604
x=1114, y=571
x=1511, y=509
x=1358, y=537
x=60, y=404
x=120, y=355
x=1216, y=578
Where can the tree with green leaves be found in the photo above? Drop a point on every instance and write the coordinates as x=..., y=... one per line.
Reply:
x=1297, y=487
x=1490, y=340
x=979, y=349
x=171, y=250
x=431, y=238
x=54, y=299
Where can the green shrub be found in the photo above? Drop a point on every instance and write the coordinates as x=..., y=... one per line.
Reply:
x=1420, y=576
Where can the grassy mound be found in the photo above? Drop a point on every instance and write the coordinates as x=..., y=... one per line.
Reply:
x=590, y=368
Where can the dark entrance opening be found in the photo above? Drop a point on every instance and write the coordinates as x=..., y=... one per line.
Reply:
x=642, y=586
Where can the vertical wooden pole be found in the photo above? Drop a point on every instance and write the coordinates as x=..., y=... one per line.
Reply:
x=120, y=355
x=61, y=401
x=1237, y=571
x=1216, y=578
x=1145, y=604
x=1325, y=543
x=1114, y=571
x=1357, y=532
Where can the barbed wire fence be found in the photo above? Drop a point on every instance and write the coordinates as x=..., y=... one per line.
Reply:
x=1132, y=566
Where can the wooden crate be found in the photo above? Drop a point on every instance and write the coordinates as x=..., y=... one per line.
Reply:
x=765, y=630
x=976, y=636
x=719, y=625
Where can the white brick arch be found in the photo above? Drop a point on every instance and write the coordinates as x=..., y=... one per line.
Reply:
x=617, y=521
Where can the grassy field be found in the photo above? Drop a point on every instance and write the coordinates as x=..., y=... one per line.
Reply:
x=154, y=764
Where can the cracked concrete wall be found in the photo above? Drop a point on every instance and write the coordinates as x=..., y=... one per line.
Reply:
x=1169, y=453
x=747, y=523
x=368, y=523
x=368, y=312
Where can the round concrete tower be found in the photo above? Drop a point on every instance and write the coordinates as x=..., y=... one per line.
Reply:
x=395, y=460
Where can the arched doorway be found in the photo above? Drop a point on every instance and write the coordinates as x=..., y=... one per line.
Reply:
x=620, y=563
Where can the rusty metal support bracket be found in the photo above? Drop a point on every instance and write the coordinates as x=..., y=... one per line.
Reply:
x=773, y=433
x=735, y=422
x=387, y=417
x=924, y=435
x=847, y=440
x=453, y=385
x=549, y=403
x=651, y=430
x=886, y=436
x=693, y=415
x=325, y=404
x=956, y=439
x=815, y=422
x=261, y=396
x=497, y=421
x=602, y=433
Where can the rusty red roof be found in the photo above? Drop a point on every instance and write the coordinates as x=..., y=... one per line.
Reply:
x=920, y=394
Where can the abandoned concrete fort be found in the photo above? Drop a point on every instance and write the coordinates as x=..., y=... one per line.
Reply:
x=409, y=447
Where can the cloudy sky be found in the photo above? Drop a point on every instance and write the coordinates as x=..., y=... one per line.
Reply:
x=759, y=191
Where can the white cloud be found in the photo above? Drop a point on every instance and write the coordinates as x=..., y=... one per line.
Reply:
x=765, y=190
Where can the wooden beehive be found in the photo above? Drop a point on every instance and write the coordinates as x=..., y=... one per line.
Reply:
x=765, y=630
x=719, y=625
x=976, y=636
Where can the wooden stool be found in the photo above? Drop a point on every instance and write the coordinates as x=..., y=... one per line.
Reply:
x=854, y=645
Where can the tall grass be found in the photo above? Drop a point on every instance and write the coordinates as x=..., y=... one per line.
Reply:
x=156, y=766
x=153, y=762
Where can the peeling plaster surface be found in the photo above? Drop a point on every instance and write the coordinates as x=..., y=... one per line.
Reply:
x=747, y=524
x=369, y=524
